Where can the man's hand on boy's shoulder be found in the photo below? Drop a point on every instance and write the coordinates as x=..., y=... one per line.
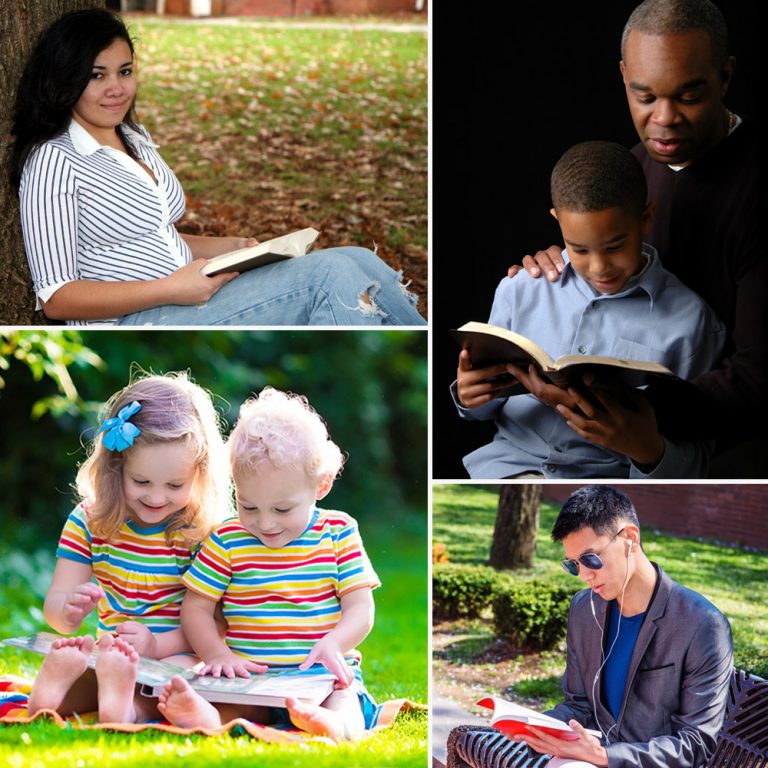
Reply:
x=550, y=262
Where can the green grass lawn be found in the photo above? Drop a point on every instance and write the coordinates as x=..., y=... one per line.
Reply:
x=271, y=129
x=395, y=665
x=733, y=579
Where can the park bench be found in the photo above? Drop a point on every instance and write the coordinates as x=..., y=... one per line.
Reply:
x=741, y=743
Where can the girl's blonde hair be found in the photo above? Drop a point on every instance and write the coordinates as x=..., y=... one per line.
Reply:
x=282, y=429
x=173, y=409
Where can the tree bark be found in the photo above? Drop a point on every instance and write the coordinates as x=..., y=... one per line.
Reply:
x=21, y=22
x=517, y=521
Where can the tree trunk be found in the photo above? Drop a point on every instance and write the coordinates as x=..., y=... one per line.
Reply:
x=514, y=537
x=20, y=26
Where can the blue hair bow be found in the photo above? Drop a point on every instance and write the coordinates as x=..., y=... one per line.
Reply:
x=119, y=433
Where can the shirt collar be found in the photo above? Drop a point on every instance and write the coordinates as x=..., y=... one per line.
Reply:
x=650, y=279
x=86, y=144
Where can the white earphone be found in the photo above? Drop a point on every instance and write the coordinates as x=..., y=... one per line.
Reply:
x=610, y=650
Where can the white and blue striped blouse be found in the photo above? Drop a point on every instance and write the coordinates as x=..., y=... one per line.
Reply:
x=91, y=212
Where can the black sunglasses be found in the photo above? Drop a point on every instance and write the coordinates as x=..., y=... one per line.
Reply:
x=589, y=560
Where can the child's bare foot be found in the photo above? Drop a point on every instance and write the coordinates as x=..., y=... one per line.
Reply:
x=182, y=706
x=64, y=664
x=317, y=720
x=116, y=665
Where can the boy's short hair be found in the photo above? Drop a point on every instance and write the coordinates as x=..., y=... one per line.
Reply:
x=676, y=17
x=282, y=429
x=598, y=507
x=597, y=175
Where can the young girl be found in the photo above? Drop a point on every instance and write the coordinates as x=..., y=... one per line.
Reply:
x=153, y=487
x=294, y=580
x=99, y=204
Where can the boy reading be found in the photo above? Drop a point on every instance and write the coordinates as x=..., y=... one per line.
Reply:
x=614, y=298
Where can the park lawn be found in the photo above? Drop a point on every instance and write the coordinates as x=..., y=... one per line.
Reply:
x=271, y=129
x=463, y=517
x=395, y=664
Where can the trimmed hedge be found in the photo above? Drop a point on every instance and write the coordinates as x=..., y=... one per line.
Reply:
x=751, y=661
x=462, y=590
x=532, y=614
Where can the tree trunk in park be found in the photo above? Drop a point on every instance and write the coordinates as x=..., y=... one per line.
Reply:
x=514, y=537
x=20, y=26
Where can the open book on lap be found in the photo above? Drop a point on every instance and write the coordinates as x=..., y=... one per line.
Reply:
x=513, y=719
x=270, y=689
x=490, y=344
x=288, y=246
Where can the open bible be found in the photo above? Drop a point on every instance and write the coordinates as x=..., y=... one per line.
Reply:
x=288, y=246
x=270, y=689
x=513, y=719
x=490, y=344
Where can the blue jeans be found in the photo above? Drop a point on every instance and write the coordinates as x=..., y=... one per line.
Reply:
x=326, y=287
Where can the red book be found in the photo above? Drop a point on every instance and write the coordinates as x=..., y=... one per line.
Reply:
x=513, y=719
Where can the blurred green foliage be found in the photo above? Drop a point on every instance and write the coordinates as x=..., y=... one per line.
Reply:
x=370, y=387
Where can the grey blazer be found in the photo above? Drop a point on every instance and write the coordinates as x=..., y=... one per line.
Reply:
x=677, y=684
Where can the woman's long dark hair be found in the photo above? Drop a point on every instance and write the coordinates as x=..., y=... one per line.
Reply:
x=56, y=75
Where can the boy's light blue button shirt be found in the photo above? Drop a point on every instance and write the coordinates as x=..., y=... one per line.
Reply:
x=655, y=317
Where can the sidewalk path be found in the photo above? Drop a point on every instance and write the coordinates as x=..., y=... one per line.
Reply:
x=446, y=715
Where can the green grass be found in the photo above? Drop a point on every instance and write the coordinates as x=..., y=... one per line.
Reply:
x=733, y=579
x=395, y=665
x=336, y=116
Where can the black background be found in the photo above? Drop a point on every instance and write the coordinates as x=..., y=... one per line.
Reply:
x=510, y=94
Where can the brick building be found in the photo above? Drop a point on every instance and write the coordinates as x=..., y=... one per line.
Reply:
x=273, y=8
x=736, y=514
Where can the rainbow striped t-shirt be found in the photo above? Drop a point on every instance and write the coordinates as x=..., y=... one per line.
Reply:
x=279, y=602
x=138, y=570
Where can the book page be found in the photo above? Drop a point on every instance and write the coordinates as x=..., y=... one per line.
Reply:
x=512, y=718
x=150, y=671
x=632, y=373
x=278, y=684
x=267, y=252
x=503, y=709
x=490, y=344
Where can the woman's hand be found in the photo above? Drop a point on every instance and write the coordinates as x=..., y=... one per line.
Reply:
x=187, y=285
x=206, y=247
x=245, y=242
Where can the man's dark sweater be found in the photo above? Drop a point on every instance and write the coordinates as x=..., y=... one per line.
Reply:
x=706, y=232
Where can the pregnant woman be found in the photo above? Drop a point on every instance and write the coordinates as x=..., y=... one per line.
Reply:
x=99, y=204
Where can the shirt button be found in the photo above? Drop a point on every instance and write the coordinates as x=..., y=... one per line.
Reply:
x=595, y=304
x=582, y=350
x=558, y=449
x=551, y=468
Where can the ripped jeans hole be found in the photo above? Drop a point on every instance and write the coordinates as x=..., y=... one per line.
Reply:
x=403, y=286
x=366, y=302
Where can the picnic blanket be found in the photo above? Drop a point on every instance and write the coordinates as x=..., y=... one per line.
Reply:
x=14, y=692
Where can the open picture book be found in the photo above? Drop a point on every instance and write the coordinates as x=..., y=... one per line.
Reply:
x=289, y=246
x=270, y=689
x=490, y=344
x=513, y=719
